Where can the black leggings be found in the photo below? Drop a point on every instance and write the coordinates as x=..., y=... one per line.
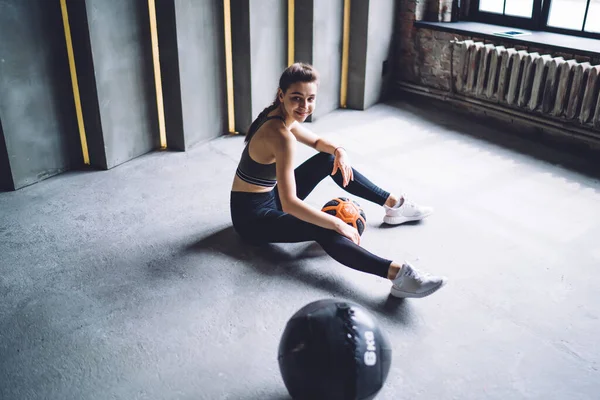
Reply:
x=258, y=218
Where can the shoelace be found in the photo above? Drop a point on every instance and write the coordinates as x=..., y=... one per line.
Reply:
x=419, y=276
x=409, y=204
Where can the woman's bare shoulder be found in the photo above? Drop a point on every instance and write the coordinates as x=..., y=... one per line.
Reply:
x=277, y=132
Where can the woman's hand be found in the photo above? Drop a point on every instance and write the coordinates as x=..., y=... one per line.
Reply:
x=342, y=163
x=348, y=231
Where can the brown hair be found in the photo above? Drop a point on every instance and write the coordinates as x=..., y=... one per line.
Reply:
x=297, y=72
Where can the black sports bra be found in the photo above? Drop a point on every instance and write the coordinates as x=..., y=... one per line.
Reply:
x=254, y=172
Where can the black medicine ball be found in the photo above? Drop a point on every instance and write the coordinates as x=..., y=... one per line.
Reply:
x=334, y=350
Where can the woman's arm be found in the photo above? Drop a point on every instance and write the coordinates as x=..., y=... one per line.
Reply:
x=284, y=149
x=318, y=143
x=313, y=140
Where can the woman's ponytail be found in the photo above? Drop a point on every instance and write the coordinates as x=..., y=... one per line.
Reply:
x=258, y=121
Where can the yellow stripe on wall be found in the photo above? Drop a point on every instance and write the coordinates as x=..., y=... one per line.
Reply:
x=345, y=50
x=157, y=76
x=74, y=82
x=229, y=66
x=291, y=31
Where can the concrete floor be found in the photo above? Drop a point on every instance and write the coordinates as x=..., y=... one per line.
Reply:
x=130, y=283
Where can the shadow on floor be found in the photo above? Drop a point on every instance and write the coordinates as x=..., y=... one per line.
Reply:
x=269, y=397
x=274, y=260
x=383, y=225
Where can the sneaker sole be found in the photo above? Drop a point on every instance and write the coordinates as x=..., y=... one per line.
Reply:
x=400, y=220
x=401, y=294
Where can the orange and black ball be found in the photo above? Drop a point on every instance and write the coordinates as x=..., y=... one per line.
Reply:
x=348, y=211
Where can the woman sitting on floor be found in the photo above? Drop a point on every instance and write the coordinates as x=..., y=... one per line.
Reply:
x=267, y=196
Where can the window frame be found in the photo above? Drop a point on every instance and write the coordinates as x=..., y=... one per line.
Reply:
x=508, y=20
x=537, y=22
x=581, y=33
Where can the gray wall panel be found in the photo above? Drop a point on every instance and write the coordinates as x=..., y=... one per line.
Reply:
x=242, y=71
x=259, y=46
x=122, y=54
x=371, y=31
x=379, y=47
x=268, y=35
x=304, y=31
x=6, y=181
x=202, y=69
x=36, y=99
x=169, y=69
x=327, y=53
x=318, y=41
x=87, y=82
x=357, y=62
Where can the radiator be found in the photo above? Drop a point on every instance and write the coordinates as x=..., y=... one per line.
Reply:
x=536, y=83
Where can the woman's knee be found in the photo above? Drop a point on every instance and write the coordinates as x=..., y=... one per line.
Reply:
x=326, y=158
x=328, y=237
x=324, y=161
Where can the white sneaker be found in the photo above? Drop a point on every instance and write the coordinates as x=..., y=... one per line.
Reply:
x=412, y=283
x=408, y=211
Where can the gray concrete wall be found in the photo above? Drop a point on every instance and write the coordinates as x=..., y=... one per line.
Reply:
x=114, y=57
x=121, y=48
x=304, y=44
x=6, y=181
x=268, y=50
x=87, y=82
x=169, y=69
x=371, y=35
x=37, y=112
x=379, y=50
x=192, y=51
x=259, y=46
x=202, y=69
x=327, y=53
x=357, y=61
x=304, y=31
x=242, y=65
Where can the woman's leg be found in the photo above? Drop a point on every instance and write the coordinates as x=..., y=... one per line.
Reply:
x=275, y=226
x=279, y=227
x=315, y=169
x=257, y=220
x=397, y=209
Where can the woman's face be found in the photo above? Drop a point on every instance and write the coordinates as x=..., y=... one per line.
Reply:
x=299, y=100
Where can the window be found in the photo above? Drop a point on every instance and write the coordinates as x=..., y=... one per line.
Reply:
x=525, y=14
x=515, y=8
x=573, y=17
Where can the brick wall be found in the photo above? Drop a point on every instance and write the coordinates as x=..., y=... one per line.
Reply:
x=424, y=55
x=418, y=48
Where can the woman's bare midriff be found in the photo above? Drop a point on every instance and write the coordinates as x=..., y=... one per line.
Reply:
x=241, y=186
